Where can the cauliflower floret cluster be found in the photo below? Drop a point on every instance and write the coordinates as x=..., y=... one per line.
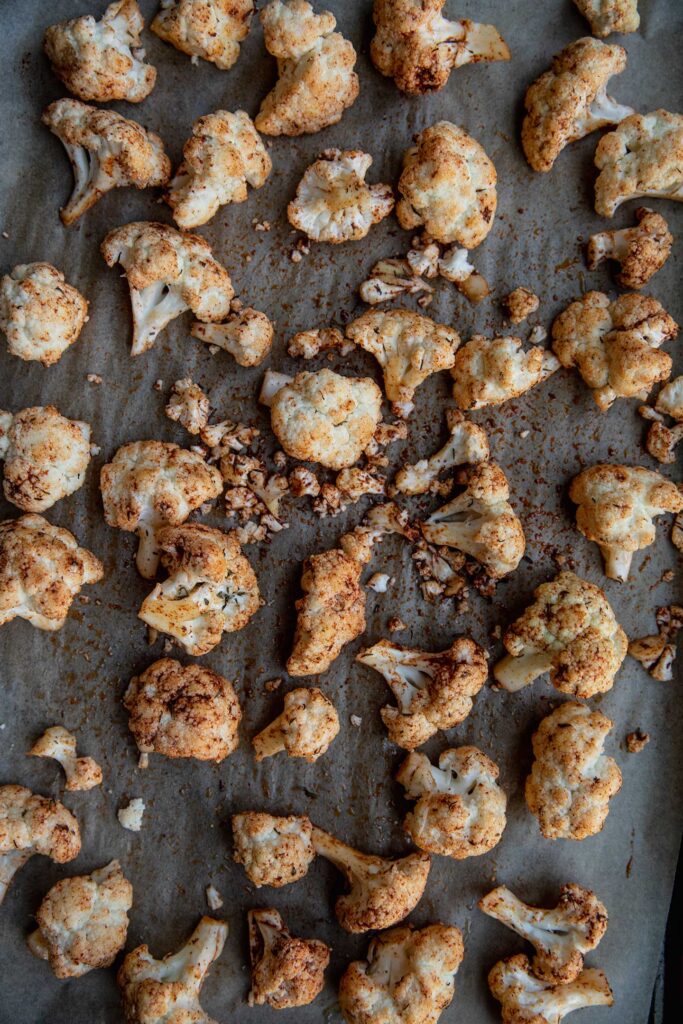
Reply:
x=657, y=653
x=607, y=16
x=286, y=971
x=467, y=444
x=247, y=335
x=210, y=29
x=102, y=60
x=489, y=371
x=40, y=313
x=641, y=157
x=316, y=80
x=305, y=728
x=641, y=250
x=272, y=850
x=526, y=999
x=82, y=773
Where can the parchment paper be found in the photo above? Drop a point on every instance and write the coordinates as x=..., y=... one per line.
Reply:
x=77, y=676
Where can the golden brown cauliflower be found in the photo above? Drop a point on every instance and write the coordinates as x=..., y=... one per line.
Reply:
x=82, y=773
x=641, y=250
x=467, y=444
x=520, y=304
x=640, y=158
x=210, y=29
x=40, y=313
x=83, y=921
x=490, y=371
x=286, y=971
x=305, y=728
x=571, y=779
x=42, y=569
x=189, y=406
x=183, y=711
x=316, y=81
x=617, y=509
x=525, y=999
x=662, y=439
x=607, y=16
x=102, y=60
x=247, y=336
x=570, y=100
x=272, y=850
x=657, y=652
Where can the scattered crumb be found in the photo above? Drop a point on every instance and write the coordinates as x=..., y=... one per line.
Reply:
x=496, y=632
x=158, y=384
x=95, y=450
x=520, y=304
x=93, y=378
x=5, y=235
x=524, y=434
x=213, y=898
x=395, y=625
x=637, y=741
x=236, y=305
x=143, y=762
x=537, y=335
x=272, y=685
x=131, y=816
x=295, y=256
x=152, y=635
x=263, y=226
x=355, y=720
x=379, y=582
x=668, y=575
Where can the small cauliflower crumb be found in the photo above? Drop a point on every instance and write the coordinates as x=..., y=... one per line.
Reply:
x=637, y=741
x=520, y=304
x=379, y=582
x=188, y=405
x=213, y=898
x=131, y=815
x=396, y=625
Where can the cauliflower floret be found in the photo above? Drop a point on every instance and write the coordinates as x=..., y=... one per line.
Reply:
x=224, y=155
x=83, y=922
x=571, y=779
x=641, y=157
x=31, y=824
x=285, y=971
x=45, y=454
x=247, y=336
x=211, y=587
x=130, y=817
x=657, y=653
x=210, y=29
x=168, y=273
x=183, y=711
x=390, y=279
x=333, y=203
x=106, y=151
x=316, y=81
x=481, y=522
x=520, y=304
x=417, y=47
x=440, y=570
x=305, y=728
x=448, y=185
x=406, y=978
x=617, y=509
x=42, y=569
x=189, y=406
x=467, y=443
x=606, y=16
x=560, y=936
x=102, y=60
x=326, y=418
x=168, y=990
x=82, y=773
x=490, y=371
x=569, y=631
x=381, y=891
x=525, y=999
x=409, y=347
x=570, y=100
x=670, y=399
x=272, y=850
x=662, y=440
x=40, y=313
x=641, y=250
x=309, y=344
x=455, y=267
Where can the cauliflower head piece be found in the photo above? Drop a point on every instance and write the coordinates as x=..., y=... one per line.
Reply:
x=40, y=313
x=286, y=971
x=210, y=29
x=641, y=157
x=272, y=850
x=641, y=250
x=82, y=773
x=607, y=16
x=247, y=336
x=490, y=371
x=304, y=729
x=526, y=999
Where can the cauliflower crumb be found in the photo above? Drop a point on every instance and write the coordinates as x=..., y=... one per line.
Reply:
x=130, y=816
x=637, y=741
x=93, y=378
x=247, y=335
x=355, y=720
x=189, y=406
x=82, y=773
x=396, y=625
x=40, y=314
x=641, y=250
x=641, y=157
x=213, y=898
x=607, y=16
x=520, y=304
x=440, y=570
x=379, y=582
x=210, y=29
x=309, y=344
x=657, y=653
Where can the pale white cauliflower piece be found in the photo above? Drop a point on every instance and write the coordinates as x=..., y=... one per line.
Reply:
x=525, y=999
x=210, y=29
x=286, y=971
x=641, y=250
x=607, y=16
x=168, y=273
x=467, y=444
x=641, y=157
x=670, y=399
x=455, y=267
x=247, y=336
x=82, y=773
x=657, y=653
x=130, y=817
x=305, y=728
x=272, y=850
x=31, y=824
x=102, y=60
x=40, y=313
x=490, y=371
x=189, y=406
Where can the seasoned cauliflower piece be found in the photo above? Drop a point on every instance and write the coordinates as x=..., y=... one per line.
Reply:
x=106, y=151
x=42, y=569
x=167, y=991
x=661, y=439
x=416, y=46
x=569, y=631
x=467, y=443
x=571, y=779
x=316, y=81
x=670, y=399
x=272, y=850
x=305, y=728
x=210, y=29
x=409, y=347
x=640, y=158
x=45, y=454
x=168, y=273
x=31, y=824
x=189, y=406
x=309, y=344
x=102, y=60
x=223, y=156
x=490, y=371
x=448, y=186
x=247, y=336
x=83, y=921
x=40, y=313
x=617, y=509
x=381, y=891
x=333, y=203
x=183, y=711
x=641, y=250
x=560, y=936
x=285, y=971
x=525, y=999
x=82, y=773
x=607, y=16
x=406, y=978
x=520, y=304
x=455, y=267
x=211, y=587
x=657, y=653
x=570, y=100
x=391, y=279
x=130, y=816
x=326, y=418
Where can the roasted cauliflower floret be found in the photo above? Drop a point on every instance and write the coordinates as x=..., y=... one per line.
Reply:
x=409, y=347
x=45, y=455
x=640, y=158
x=102, y=60
x=309, y=344
x=607, y=16
x=617, y=506
x=167, y=991
x=247, y=336
x=448, y=186
x=454, y=266
x=183, y=711
x=316, y=81
x=82, y=773
x=571, y=779
x=525, y=999
x=467, y=444
x=210, y=29
x=641, y=250
x=42, y=569
x=406, y=978
x=168, y=273
x=416, y=46
x=560, y=936
x=569, y=631
x=40, y=313
x=272, y=850
x=305, y=728
x=285, y=971
x=661, y=439
x=489, y=371
x=31, y=824
x=520, y=304
x=381, y=891
x=189, y=406
x=83, y=921
x=570, y=100
x=657, y=652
